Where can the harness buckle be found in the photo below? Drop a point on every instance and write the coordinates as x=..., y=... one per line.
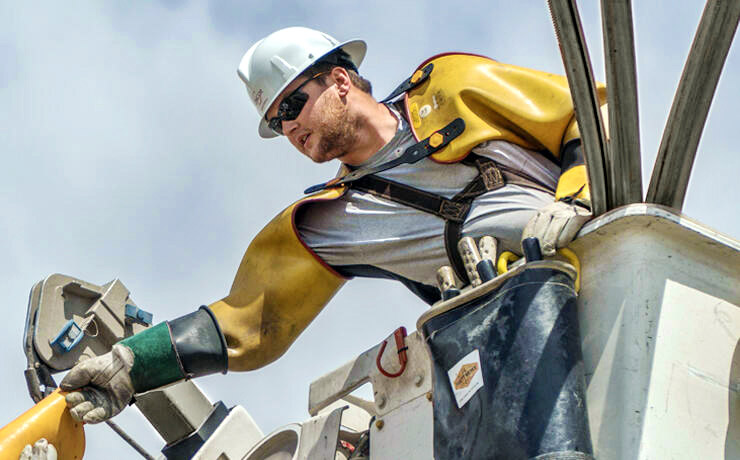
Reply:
x=453, y=210
x=491, y=175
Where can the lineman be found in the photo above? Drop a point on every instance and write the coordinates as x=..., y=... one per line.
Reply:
x=465, y=146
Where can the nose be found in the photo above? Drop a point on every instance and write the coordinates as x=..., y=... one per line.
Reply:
x=289, y=126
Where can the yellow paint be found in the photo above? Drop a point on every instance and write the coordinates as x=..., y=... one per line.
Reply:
x=278, y=290
x=49, y=419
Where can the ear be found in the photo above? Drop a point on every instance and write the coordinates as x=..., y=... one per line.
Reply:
x=341, y=79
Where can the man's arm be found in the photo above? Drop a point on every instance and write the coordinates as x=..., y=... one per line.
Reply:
x=279, y=289
x=557, y=224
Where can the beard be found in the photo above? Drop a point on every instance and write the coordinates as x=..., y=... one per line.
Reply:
x=338, y=130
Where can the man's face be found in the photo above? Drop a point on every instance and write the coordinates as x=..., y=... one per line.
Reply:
x=324, y=129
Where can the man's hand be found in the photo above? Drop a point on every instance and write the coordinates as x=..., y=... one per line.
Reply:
x=556, y=225
x=41, y=450
x=104, y=384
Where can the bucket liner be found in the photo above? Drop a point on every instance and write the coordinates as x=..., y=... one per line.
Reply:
x=508, y=370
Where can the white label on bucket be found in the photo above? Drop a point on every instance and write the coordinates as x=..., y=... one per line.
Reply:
x=466, y=377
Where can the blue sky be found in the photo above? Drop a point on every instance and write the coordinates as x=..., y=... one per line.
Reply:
x=130, y=151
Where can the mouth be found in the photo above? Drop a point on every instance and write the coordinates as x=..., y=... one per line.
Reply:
x=303, y=139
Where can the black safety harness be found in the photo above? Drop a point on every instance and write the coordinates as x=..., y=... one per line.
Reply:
x=453, y=211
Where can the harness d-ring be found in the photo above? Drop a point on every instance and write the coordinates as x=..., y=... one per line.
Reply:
x=400, y=336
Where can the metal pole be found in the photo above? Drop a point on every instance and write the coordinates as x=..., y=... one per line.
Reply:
x=583, y=91
x=692, y=101
x=624, y=166
x=137, y=447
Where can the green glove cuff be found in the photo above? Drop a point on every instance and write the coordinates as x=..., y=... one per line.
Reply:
x=155, y=360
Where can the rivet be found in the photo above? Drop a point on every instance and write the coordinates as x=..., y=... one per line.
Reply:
x=429, y=395
x=417, y=76
x=379, y=424
x=436, y=139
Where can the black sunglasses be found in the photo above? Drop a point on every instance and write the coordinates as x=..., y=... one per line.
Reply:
x=291, y=105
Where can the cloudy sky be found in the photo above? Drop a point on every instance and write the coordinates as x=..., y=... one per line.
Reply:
x=129, y=150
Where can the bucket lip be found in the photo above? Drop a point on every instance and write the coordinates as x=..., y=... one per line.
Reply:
x=291, y=429
x=469, y=294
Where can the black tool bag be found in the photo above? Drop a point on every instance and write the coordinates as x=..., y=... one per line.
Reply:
x=531, y=403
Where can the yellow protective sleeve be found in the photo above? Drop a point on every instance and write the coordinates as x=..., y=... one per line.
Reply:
x=497, y=101
x=279, y=288
x=574, y=183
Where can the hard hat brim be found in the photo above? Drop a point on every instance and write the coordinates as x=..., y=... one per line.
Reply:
x=356, y=50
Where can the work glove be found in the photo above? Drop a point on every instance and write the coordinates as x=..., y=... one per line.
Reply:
x=556, y=225
x=104, y=384
x=41, y=450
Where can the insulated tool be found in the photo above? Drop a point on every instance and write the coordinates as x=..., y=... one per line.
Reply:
x=487, y=246
x=446, y=282
x=470, y=257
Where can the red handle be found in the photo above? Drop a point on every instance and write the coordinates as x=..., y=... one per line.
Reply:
x=400, y=336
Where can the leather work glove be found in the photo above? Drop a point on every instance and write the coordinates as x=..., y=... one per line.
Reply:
x=105, y=385
x=556, y=225
x=41, y=450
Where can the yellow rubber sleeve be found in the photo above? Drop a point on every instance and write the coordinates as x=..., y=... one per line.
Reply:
x=574, y=183
x=497, y=101
x=49, y=419
x=279, y=288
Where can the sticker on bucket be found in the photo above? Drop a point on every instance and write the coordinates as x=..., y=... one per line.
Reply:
x=466, y=377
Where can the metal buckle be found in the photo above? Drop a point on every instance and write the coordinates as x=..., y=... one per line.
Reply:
x=453, y=210
x=491, y=175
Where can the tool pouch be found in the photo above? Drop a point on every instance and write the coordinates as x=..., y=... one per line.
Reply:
x=508, y=377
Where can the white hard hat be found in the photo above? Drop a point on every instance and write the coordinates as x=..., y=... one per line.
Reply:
x=272, y=63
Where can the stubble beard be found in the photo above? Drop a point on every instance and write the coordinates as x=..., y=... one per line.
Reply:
x=338, y=130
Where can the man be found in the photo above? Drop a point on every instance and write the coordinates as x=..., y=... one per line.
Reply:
x=473, y=148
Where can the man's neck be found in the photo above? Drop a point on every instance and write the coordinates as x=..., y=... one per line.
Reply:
x=378, y=129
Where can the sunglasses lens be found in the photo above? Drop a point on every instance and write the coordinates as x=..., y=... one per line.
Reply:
x=289, y=109
x=276, y=124
x=292, y=105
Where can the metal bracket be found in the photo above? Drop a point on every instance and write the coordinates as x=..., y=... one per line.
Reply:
x=134, y=314
x=68, y=337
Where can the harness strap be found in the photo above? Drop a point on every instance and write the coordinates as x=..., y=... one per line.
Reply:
x=414, y=153
x=453, y=211
x=413, y=197
x=489, y=178
x=414, y=80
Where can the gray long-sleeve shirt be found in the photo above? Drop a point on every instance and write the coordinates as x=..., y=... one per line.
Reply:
x=387, y=238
